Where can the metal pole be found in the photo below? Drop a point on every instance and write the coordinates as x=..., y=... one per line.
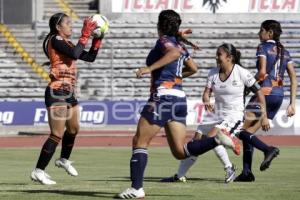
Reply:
x=35, y=31
x=111, y=72
x=2, y=12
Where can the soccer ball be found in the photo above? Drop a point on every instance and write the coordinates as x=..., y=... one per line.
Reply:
x=102, y=25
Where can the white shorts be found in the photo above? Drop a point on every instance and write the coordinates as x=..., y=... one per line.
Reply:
x=230, y=126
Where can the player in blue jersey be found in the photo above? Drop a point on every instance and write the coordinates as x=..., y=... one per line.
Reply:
x=272, y=62
x=168, y=63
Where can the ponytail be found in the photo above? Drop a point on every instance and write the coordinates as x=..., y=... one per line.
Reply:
x=237, y=57
x=180, y=37
x=280, y=57
x=54, y=20
x=45, y=44
x=275, y=26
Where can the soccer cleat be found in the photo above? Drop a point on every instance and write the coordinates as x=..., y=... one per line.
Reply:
x=67, y=165
x=269, y=156
x=131, y=193
x=230, y=174
x=245, y=177
x=174, y=178
x=228, y=140
x=42, y=177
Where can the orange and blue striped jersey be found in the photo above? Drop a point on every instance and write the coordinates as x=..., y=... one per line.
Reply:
x=272, y=83
x=170, y=75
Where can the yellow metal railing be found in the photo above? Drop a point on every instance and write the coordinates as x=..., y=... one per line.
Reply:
x=64, y=5
x=11, y=39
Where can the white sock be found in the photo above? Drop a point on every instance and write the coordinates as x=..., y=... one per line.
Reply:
x=223, y=156
x=185, y=165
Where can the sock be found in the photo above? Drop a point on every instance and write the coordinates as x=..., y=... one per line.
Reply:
x=247, y=157
x=185, y=165
x=67, y=145
x=198, y=147
x=221, y=153
x=47, y=151
x=138, y=164
x=253, y=140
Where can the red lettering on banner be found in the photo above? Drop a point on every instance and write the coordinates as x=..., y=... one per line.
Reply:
x=275, y=6
x=126, y=4
x=149, y=5
x=289, y=4
x=186, y=4
x=272, y=5
x=199, y=107
x=162, y=4
x=252, y=4
x=176, y=4
x=136, y=5
x=263, y=5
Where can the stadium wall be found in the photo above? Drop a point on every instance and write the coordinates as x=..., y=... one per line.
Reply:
x=98, y=114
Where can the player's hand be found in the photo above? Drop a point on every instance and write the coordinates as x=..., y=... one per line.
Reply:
x=265, y=125
x=290, y=111
x=96, y=43
x=141, y=71
x=88, y=26
x=86, y=31
x=100, y=37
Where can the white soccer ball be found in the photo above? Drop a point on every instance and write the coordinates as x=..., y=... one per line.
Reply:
x=102, y=25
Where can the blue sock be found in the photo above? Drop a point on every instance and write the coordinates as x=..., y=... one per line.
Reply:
x=253, y=140
x=247, y=157
x=198, y=147
x=138, y=164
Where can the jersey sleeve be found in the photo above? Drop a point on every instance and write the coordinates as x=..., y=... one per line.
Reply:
x=63, y=47
x=247, y=78
x=209, y=81
x=74, y=52
x=186, y=53
x=261, y=51
x=163, y=44
x=288, y=57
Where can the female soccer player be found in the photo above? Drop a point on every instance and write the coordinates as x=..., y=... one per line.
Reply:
x=60, y=99
x=228, y=82
x=166, y=106
x=272, y=62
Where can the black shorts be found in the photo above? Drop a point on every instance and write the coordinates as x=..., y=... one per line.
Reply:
x=60, y=98
x=164, y=109
x=273, y=103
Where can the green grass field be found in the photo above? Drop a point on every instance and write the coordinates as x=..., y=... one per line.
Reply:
x=104, y=172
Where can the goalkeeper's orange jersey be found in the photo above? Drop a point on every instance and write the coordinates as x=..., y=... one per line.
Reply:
x=63, y=55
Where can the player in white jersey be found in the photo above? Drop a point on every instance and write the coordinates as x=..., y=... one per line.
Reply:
x=228, y=82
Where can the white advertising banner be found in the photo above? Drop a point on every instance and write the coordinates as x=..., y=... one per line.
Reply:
x=206, y=6
x=280, y=125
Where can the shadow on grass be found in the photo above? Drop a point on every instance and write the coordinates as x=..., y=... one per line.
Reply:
x=88, y=193
x=157, y=179
x=68, y=192
x=12, y=184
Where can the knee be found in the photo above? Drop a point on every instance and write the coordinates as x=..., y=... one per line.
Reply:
x=73, y=130
x=179, y=154
x=57, y=133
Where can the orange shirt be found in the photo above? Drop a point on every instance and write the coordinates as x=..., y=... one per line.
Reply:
x=63, y=71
